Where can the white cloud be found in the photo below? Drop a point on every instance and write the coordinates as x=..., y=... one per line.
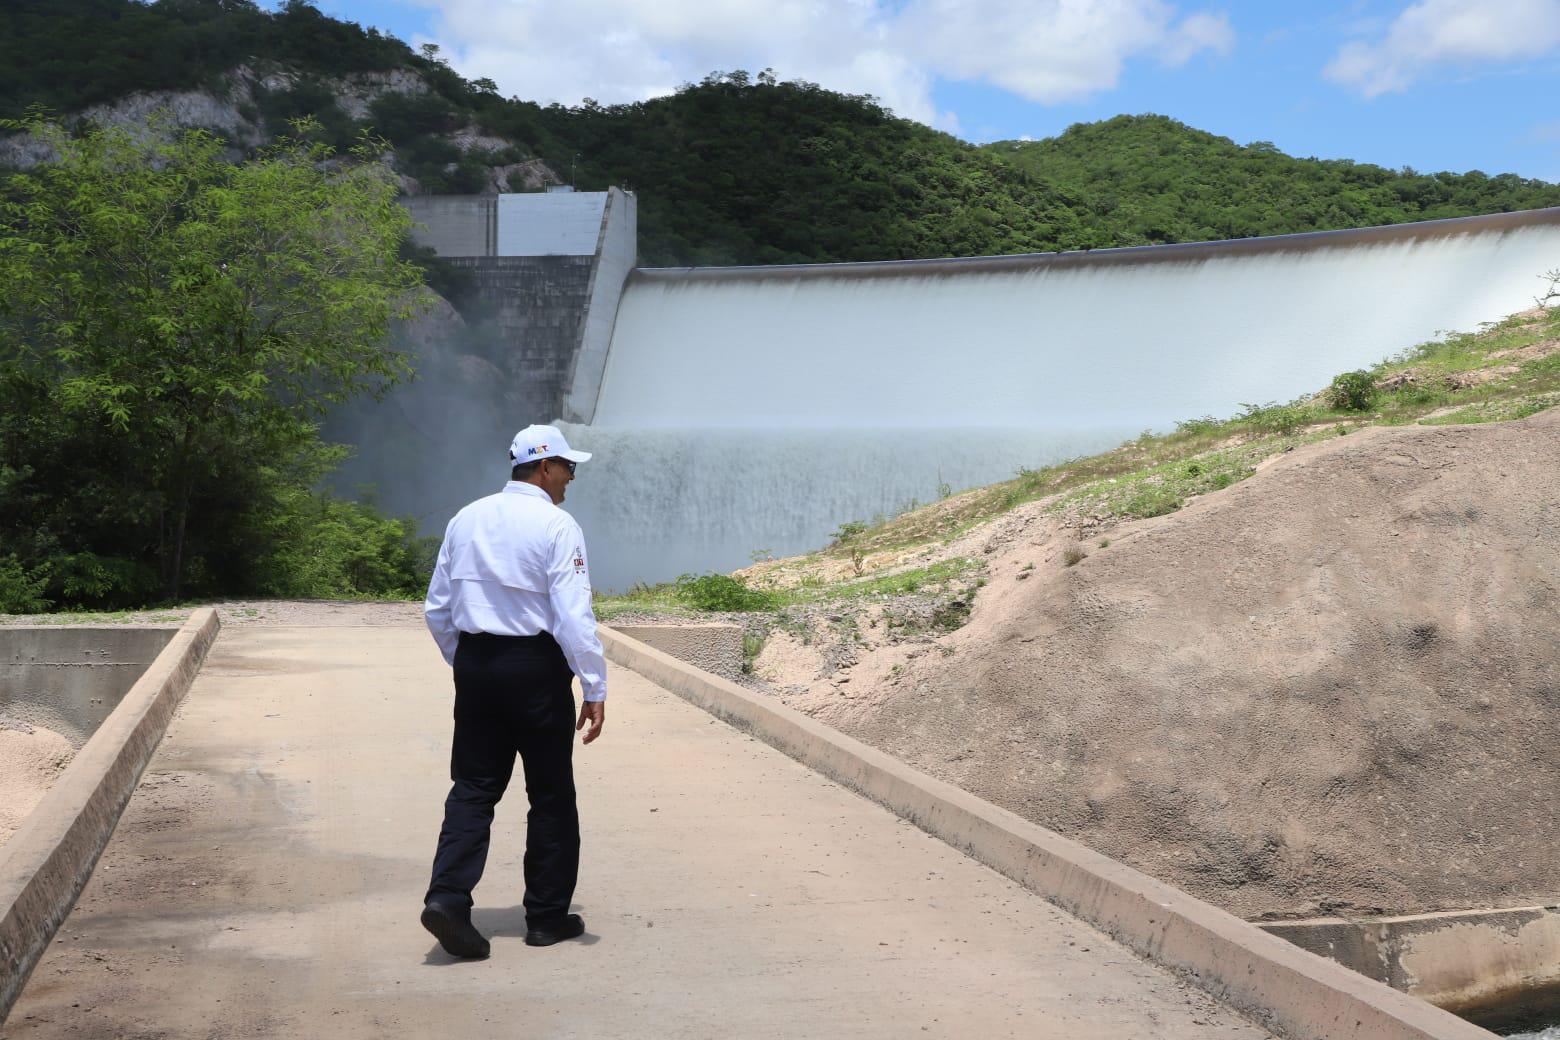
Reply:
x=1459, y=33
x=1050, y=52
x=628, y=50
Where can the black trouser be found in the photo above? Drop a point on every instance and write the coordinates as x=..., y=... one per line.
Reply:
x=512, y=694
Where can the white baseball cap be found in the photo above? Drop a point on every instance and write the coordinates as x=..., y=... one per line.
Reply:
x=541, y=442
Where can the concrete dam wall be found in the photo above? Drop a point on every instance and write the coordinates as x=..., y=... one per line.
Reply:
x=748, y=409
x=742, y=410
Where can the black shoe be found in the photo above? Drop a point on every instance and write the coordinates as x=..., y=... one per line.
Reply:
x=455, y=932
x=571, y=927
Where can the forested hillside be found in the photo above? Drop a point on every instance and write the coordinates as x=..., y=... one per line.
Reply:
x=68, y=54
x=1150, y=179
x=736, y=168
x=731, y=172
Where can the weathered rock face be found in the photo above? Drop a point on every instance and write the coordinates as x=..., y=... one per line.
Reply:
x=435, y=324
x=522, y=176
x=1333, y=687
x=222, y=110
x=356, y=93
x=232, y=110
x=137, y=113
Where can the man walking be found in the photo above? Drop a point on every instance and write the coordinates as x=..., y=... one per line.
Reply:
x=509, y=606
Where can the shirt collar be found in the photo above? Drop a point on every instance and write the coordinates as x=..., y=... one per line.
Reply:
x=521, y=487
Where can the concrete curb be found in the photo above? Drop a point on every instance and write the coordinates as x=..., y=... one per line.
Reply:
x=1295, y=993
x=47, y=862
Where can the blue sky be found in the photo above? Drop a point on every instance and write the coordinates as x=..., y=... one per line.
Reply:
x=1433, y=84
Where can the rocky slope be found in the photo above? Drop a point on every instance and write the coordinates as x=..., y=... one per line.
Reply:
x=235, y=111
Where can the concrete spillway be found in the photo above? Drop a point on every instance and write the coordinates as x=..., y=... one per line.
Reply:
x=758, y=408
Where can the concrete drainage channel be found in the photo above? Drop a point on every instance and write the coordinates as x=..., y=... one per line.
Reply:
x=1388, y=978
x=110, y=692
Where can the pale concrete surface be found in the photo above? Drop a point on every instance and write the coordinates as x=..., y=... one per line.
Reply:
x=714, y=648
x=266, y=878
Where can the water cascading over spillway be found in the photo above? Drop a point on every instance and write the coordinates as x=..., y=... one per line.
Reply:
x=747, y=409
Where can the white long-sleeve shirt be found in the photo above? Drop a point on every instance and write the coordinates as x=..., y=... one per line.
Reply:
x=513, y=564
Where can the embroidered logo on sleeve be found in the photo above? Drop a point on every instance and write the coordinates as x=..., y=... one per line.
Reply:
x=579, y=560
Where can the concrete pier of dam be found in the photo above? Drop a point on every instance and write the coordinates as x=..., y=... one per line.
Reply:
x=548, y=270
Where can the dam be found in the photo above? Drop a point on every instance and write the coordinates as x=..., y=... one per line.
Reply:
x=751, y=410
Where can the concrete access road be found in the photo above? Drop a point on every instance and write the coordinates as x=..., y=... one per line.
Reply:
x=266, y=879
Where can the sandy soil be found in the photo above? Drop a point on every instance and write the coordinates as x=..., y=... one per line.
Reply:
x=30, y=760
x=1331, y=688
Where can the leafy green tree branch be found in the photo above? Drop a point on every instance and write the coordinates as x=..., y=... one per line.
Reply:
x=199, y=314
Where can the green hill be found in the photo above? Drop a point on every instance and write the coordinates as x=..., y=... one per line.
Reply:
x=1151, y=179
x=737, y=168
x=731, y=171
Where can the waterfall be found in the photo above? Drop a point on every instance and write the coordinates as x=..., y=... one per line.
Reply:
x=758, y=409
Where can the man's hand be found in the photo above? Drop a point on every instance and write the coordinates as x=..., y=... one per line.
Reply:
x=595, y=713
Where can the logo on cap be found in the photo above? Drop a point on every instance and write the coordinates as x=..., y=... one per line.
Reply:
x=536, y=450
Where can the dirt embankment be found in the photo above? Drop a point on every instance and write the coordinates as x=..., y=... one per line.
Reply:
x=30, y=760
x=1332, y=687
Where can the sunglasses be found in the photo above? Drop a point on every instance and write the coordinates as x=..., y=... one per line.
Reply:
x=566, y=462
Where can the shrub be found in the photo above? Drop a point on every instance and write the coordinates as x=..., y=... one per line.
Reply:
x=1151, y=500
x=1351, y=391
x=87, y=578
x=946, y=617
x=752, y=646
x=1281, y=419
x=327, y=548
x=721, y=592
x=848, y=530
x=1206, y=424
x=21, y=591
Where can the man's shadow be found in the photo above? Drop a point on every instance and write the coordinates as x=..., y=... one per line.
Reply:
x=496, y=923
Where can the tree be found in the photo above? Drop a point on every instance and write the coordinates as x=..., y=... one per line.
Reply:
x=186, y=320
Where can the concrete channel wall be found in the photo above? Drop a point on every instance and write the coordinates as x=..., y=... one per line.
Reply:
x=1497, y=967
x=47, y=862
x=70, y=679
x=1295, y=993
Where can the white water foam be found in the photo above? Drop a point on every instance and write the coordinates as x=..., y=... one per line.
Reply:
x=1550, y=1033
x=1075, y=347
x=761, y=413
x=656, y=503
